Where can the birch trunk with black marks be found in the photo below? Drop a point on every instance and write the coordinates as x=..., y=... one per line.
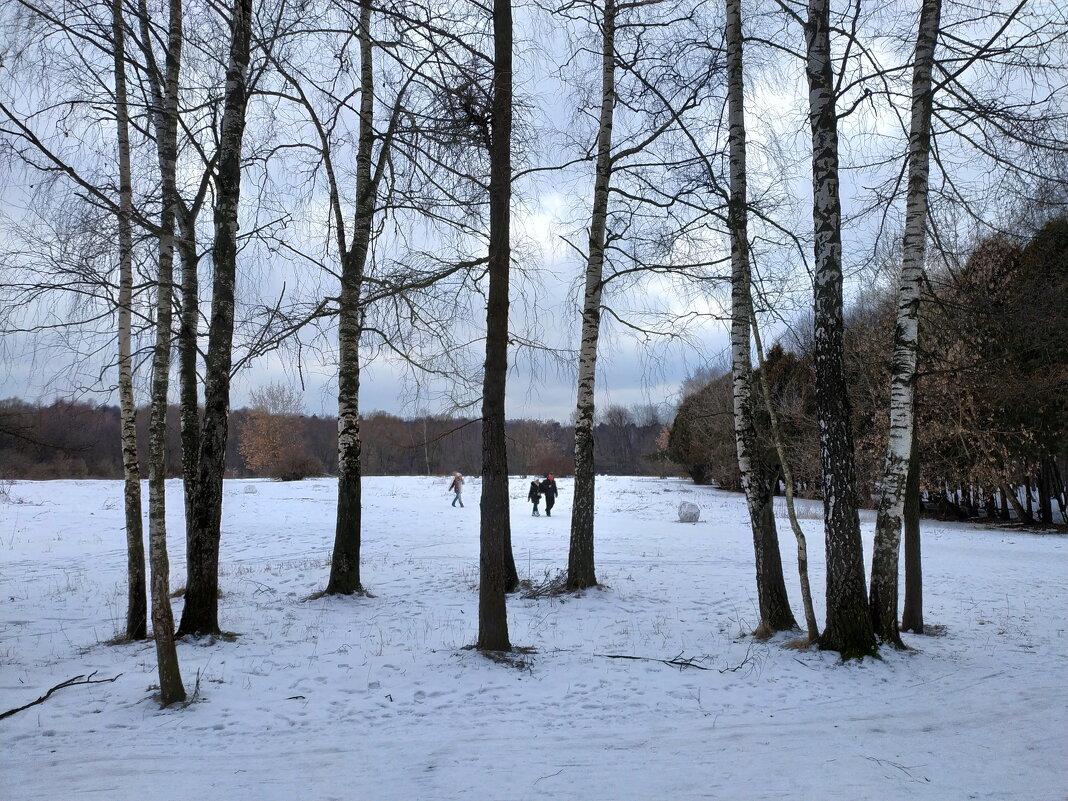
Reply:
x=912, y=607
x=136, y=592
x=774, y=603
x=187, y=333
x=201, y=612
x=495, y=551
x=883, y=597
x=848, y=628
x=345, y=566
x=170, y=678
x=581, y=571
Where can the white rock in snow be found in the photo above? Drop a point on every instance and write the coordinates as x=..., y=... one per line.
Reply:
x=689, y=512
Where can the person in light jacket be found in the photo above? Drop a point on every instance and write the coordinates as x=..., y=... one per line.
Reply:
x=457, y=487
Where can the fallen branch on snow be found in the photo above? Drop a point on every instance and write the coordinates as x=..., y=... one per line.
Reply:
x=678, y=661
x=681, y=663
x=68, y=683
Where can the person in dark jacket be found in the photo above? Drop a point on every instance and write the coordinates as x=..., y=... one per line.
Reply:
x=534, y=496
x=548, y=489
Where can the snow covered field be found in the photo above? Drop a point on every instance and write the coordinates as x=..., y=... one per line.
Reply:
x=377, y=698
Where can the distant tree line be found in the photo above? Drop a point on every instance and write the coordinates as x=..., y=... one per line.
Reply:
x=992, y=417
x=69, y=439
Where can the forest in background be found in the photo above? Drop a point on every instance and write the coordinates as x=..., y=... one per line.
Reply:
x=992, y=395
x=69, y=439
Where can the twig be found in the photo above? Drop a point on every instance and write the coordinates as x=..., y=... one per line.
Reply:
x=83, y=679
x=904, y=769
x=745, y=661
x=549, y=776
x=676, y=662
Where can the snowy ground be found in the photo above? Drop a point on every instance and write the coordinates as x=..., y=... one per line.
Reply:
x=377, y=698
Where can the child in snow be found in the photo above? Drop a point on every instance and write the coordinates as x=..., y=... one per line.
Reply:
x=534, y=496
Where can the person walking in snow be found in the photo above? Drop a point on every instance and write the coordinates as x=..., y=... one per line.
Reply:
x=534, y=496
x=548, y=489
x=457, y=486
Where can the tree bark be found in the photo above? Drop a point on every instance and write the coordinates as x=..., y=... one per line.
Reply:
x=1011, y=498
x=201, y=612
x=774, y=603
x=170, y=679
x=1045, y=489
x=882, y=602
x=495, y=578
x=581, y=571
x=187, y=363
x=188, y=328
x=345, y=566
x=848, y=628
x=912, y=607
x=136, y=593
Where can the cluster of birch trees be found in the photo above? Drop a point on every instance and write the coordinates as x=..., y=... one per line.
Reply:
x=242, y=177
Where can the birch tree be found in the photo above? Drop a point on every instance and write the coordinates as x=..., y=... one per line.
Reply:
x=345, y=565
x=201, y=612
x=166, y=123
x=78, y=46
x=774, y=605
x=848, y=628
x=640, y=215
x=883, y=599
x=581, y=572
x=136, y=601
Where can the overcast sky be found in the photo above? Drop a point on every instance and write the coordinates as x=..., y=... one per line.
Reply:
x=632, y=371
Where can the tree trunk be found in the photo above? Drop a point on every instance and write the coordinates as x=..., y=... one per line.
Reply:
x=774, y=603
x=1011, y=497
x=1045, y=490
x=1028, y=500
x=580, y=564
x=188, y=329
x=912, y=607
x=136, y=598
x=201, y=612
x=187, y=364
x=1058, y=489
x=884, y=571
x=495, y=577
x=848, y=628
x=170, y=679
x=345, y=566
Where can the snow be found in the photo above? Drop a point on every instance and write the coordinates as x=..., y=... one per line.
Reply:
x=378, y=697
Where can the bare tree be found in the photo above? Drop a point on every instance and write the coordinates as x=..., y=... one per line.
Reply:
x=136, y=601
x=170, y=679
x=848, y=627
x=884, y=572
x=496, y=567
x=201, y=612
x=775, y=614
